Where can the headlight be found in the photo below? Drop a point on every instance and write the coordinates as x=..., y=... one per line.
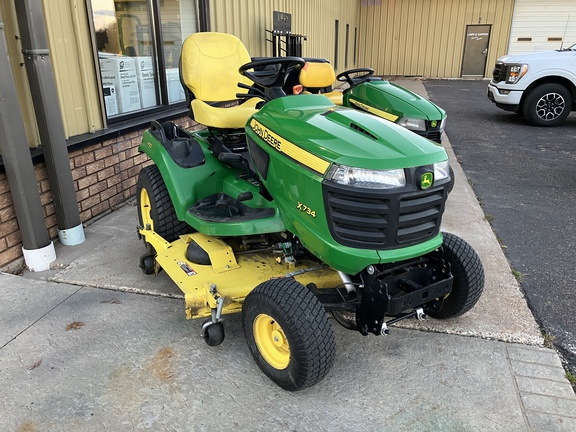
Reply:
x=365, y=178
x=412, y=123
x=515, y=72
x=443, y=124
x=441, y=170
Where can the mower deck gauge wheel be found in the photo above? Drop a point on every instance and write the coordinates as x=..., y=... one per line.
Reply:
x=213, y=334
x=147, y=264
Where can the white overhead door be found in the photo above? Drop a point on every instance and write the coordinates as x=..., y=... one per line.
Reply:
x=542, y=26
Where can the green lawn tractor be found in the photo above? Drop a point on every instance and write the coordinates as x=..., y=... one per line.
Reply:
x=288, y=209
x=371, y=94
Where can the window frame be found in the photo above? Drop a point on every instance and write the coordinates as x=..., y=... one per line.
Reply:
x=130, y=118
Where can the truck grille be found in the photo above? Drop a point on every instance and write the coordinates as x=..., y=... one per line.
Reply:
x=382, y=220
x=499, y=73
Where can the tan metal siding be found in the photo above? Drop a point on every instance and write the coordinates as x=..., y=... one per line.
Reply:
x=426, y=37
x=72, y=60
x=19, y=72
x=315, y=19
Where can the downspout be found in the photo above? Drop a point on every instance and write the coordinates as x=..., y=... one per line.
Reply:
x=37, y=248
x=49, y=118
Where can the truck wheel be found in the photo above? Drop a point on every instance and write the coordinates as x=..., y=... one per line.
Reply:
x=547, y=105
x=288, y=333
x=155, y=207
x=468, y=280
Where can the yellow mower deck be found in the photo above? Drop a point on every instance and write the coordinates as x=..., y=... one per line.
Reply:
x=230, y=276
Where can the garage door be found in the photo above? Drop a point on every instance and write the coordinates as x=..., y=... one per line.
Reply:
x=542, y=26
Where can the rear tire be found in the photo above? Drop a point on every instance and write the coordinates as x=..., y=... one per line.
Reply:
x=155, y=207
x=547, y=105
x=468, y=282
x=288, y=333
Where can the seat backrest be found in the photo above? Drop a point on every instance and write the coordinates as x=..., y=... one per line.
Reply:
x=317, y=75
x=209, y=66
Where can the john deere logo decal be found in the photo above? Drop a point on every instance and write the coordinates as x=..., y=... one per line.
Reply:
x=426, y=180
x=433, y=123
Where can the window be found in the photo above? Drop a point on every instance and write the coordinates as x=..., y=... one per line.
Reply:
x=138, y=46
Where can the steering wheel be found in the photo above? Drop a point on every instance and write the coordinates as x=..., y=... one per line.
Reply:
x=360, y=75
x=270, y=73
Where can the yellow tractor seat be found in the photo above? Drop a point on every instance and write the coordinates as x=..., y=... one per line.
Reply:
x=209, y=68
x=319, y=76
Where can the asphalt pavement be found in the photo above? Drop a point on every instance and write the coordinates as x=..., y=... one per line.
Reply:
x=524, y=177
x=94, y=344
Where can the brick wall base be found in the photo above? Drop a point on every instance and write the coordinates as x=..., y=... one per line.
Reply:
x=104, y=174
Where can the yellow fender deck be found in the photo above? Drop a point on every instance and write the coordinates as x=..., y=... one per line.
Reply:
x=231, y=275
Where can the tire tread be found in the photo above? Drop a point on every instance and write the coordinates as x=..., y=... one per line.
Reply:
x=166, y=222
x=305, y=318
x=468, y=273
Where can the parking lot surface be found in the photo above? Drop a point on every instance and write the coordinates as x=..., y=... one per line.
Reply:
x=523, y=177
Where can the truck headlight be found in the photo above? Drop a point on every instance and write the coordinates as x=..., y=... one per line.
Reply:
x=412, y=123
x=515, y=72
x=366, y=178
x=441, y=170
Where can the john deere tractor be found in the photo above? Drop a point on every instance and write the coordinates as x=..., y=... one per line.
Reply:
x=288, y=209
x=363, y=91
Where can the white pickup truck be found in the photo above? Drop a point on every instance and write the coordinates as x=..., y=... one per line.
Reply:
x=540, y=85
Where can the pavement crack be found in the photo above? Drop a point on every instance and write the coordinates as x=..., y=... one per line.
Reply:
x=516, y=388
x=13, y=338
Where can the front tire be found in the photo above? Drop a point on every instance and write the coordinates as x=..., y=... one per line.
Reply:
x=288, y=333
x=547, y=105
x=468, y=282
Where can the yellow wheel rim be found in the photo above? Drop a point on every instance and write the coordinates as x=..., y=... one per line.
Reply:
x=146, y=209
x=271, y=341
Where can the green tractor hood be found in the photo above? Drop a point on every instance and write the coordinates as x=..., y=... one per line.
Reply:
x=341, y=135
x=295, y=143
x=392, y=101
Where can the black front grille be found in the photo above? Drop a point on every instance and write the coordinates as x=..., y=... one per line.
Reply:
x=499, y=73
x=432, y=132
x=435, y=136
x=420, y=215
x=380, y=219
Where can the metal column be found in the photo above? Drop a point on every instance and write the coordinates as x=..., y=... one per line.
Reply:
x=37, y=247
x=49, y=118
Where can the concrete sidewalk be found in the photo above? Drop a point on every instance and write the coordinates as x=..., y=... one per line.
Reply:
x=86, y=359
x=82, y=349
